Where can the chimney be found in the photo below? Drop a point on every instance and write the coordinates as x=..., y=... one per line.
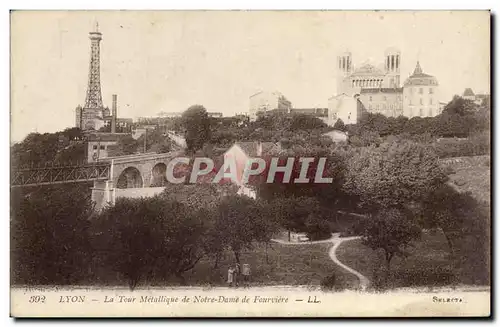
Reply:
x=259, y=148
x=113, y=115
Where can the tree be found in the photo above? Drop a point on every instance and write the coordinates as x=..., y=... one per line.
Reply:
x=419, y=125
x=50, y=235
x=459, y=118
x=72, y=154
x=305, y=122
x=124, y=146
x=339, y=125
x=151, y=237
x=460, y=106
x=365, y=138
x=334, y=167
x=156, y=141
x=465, y=222
x=196, y=123
x=208, y=197
x=391, y=230
x=35, y=149
x=73, y=133
x=377, y=123
x=450, y=210
x=240, y=221
x=393, y=174
x=300, y=214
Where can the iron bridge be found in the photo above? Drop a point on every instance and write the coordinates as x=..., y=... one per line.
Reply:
x=22, y=177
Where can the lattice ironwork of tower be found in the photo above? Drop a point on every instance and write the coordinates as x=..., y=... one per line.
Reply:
x=93, y=99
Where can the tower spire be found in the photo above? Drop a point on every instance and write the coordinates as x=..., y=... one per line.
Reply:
x=418, y=69
x=93, y=98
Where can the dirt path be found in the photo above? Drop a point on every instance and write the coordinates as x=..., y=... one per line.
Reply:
x=363, y=281
x=336, y=241
x=328, y=240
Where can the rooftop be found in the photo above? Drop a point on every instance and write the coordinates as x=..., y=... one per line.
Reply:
x=418, y=72
x=420, y=78
x=383, y=90
x=368, y=69
x=250, y=148
x=105, y=137
x=468, y=92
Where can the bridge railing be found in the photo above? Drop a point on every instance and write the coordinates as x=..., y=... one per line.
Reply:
x=58, y=174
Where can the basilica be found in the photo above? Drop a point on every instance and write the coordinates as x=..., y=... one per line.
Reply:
x=378, y=89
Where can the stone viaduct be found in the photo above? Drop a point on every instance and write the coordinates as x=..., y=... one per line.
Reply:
x=137, y=175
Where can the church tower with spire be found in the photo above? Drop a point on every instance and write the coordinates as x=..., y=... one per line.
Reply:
x=378, y=89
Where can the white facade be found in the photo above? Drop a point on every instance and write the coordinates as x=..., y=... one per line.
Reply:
x=421, y=95
x=421, y=101
x=380, y=91
x=343, y=107
x=267, y=101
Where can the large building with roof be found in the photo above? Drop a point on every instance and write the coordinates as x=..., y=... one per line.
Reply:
x=378, y=89
x=240, y=153
x=478, y=99
x=265, y=101
x=420, y=93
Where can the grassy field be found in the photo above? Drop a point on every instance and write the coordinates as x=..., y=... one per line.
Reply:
x=472, y=174
x=305, y=264
x=428, y=264
x=291, y=265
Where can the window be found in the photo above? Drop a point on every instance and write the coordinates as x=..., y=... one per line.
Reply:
x=421, y=101
x=421, y=90
x=102, y=147
x=370, y=98
x=431, y=90
x=421, y=112
x=430, y=101
x=94, y=147
x=385, y=98
x=430, y=112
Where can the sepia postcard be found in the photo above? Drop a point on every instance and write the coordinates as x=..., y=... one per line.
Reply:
x=250, y=164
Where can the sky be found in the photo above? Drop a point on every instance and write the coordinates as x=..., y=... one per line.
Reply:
x=169, y=60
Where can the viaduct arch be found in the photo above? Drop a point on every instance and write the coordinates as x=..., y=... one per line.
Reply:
x=132, y=176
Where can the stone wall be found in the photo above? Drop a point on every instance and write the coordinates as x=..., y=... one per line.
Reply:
x=138, y=192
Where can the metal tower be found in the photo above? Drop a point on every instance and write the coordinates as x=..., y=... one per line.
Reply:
x=93, y=99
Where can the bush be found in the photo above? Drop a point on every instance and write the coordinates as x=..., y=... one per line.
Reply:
x=432, y=276
x=317, y=229
x=416, y=277
x=334, y=282
x=448, y=170
x=355, y=229
x=452, y=147
x=328, y=283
